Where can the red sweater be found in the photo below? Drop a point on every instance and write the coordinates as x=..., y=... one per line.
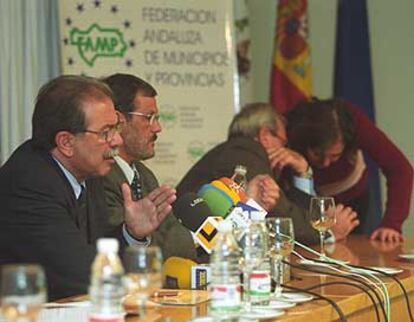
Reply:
x=393, y=164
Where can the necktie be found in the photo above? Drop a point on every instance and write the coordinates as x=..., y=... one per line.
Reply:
x=82, y=216
x=136, y=187
x=82, y=196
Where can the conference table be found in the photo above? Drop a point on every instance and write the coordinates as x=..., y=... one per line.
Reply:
x=354, y=303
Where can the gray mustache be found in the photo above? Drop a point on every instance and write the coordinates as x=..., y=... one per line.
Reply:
x=111, y=153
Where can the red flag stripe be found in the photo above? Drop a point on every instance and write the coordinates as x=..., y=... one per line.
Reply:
x=279, y=99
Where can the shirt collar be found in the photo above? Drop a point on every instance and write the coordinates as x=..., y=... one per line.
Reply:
x=76, y=186
x=126, y=168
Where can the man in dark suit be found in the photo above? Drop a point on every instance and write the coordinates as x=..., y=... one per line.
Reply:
x=52, y=198
x=135, y=100
x=257, y=140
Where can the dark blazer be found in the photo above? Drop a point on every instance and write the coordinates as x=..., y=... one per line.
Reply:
x=38, y=220
x=172, y=237
x=221, y=161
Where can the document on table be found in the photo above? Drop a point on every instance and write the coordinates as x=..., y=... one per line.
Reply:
x=64, y=314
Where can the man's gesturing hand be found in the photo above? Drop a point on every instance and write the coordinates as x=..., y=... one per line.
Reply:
x=142, y=217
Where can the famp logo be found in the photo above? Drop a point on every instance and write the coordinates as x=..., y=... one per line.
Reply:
x=195, y=150
x=97, y=42
x=168, y=116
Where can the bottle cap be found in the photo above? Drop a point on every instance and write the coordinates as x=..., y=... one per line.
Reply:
x=240, y=169
x=224, y=226
x=107, y=245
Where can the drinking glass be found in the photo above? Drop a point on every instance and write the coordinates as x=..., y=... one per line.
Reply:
x=281, y=243
x=143, y=267
x=255, y=251
x=22, y=291
x=322, y=217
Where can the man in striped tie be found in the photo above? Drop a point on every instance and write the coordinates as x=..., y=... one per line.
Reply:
x=135, y=101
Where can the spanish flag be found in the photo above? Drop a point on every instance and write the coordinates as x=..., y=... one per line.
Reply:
x=291, y=68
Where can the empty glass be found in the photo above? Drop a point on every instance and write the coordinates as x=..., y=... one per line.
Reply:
x=281, y=243
x=143, y=267
x=22, y=291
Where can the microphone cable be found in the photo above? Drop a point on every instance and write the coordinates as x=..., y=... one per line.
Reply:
x=341, y=314
x=378, y=271
x=357, y=285
x=357, y=272
x=396, y=279
x=346, y=275
x=349, y=284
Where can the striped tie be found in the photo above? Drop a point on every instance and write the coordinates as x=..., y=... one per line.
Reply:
x=136, y=187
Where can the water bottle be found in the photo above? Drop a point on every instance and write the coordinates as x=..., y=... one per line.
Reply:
x=106, y=288
x=225, y=287
x=256, y=265
x=239, y=178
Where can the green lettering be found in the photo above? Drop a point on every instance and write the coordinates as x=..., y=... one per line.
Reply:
x=97, y=42
x=101, y=44
x=114, y=43
x=88, y=45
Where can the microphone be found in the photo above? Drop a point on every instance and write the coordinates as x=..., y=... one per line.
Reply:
x=194, y=213
x=243, y=213
x=183, y=273
x=224, y=186
x=221, y=196
x=202, y=217
x=225, y=200
x=177, y=272
x=233, y=186
x=219, y=202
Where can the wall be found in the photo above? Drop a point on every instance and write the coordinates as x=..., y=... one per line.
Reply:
x=392, y=43
x=392, y=48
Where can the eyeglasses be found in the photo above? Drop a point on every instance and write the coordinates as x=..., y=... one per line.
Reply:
x=107, y=134
x=151, y=117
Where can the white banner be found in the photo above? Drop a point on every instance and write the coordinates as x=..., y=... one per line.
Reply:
x=184, y=48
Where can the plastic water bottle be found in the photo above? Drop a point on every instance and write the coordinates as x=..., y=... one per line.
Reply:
x=239, y=178
x=225, y=287
x=256, y=265
x=106, y=286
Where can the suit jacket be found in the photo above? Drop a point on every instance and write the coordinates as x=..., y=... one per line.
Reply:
x=221, y=161
x=172, y=237
x=38, y=220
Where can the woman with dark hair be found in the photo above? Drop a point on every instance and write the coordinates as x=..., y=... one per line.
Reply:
x=332, y=135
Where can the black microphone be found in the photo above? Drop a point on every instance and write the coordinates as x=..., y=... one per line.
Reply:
x=194, y=213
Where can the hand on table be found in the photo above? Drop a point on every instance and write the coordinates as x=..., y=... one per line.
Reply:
x=387, y=235
x=384, y=247
x=142, y=217
x=346, y=221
